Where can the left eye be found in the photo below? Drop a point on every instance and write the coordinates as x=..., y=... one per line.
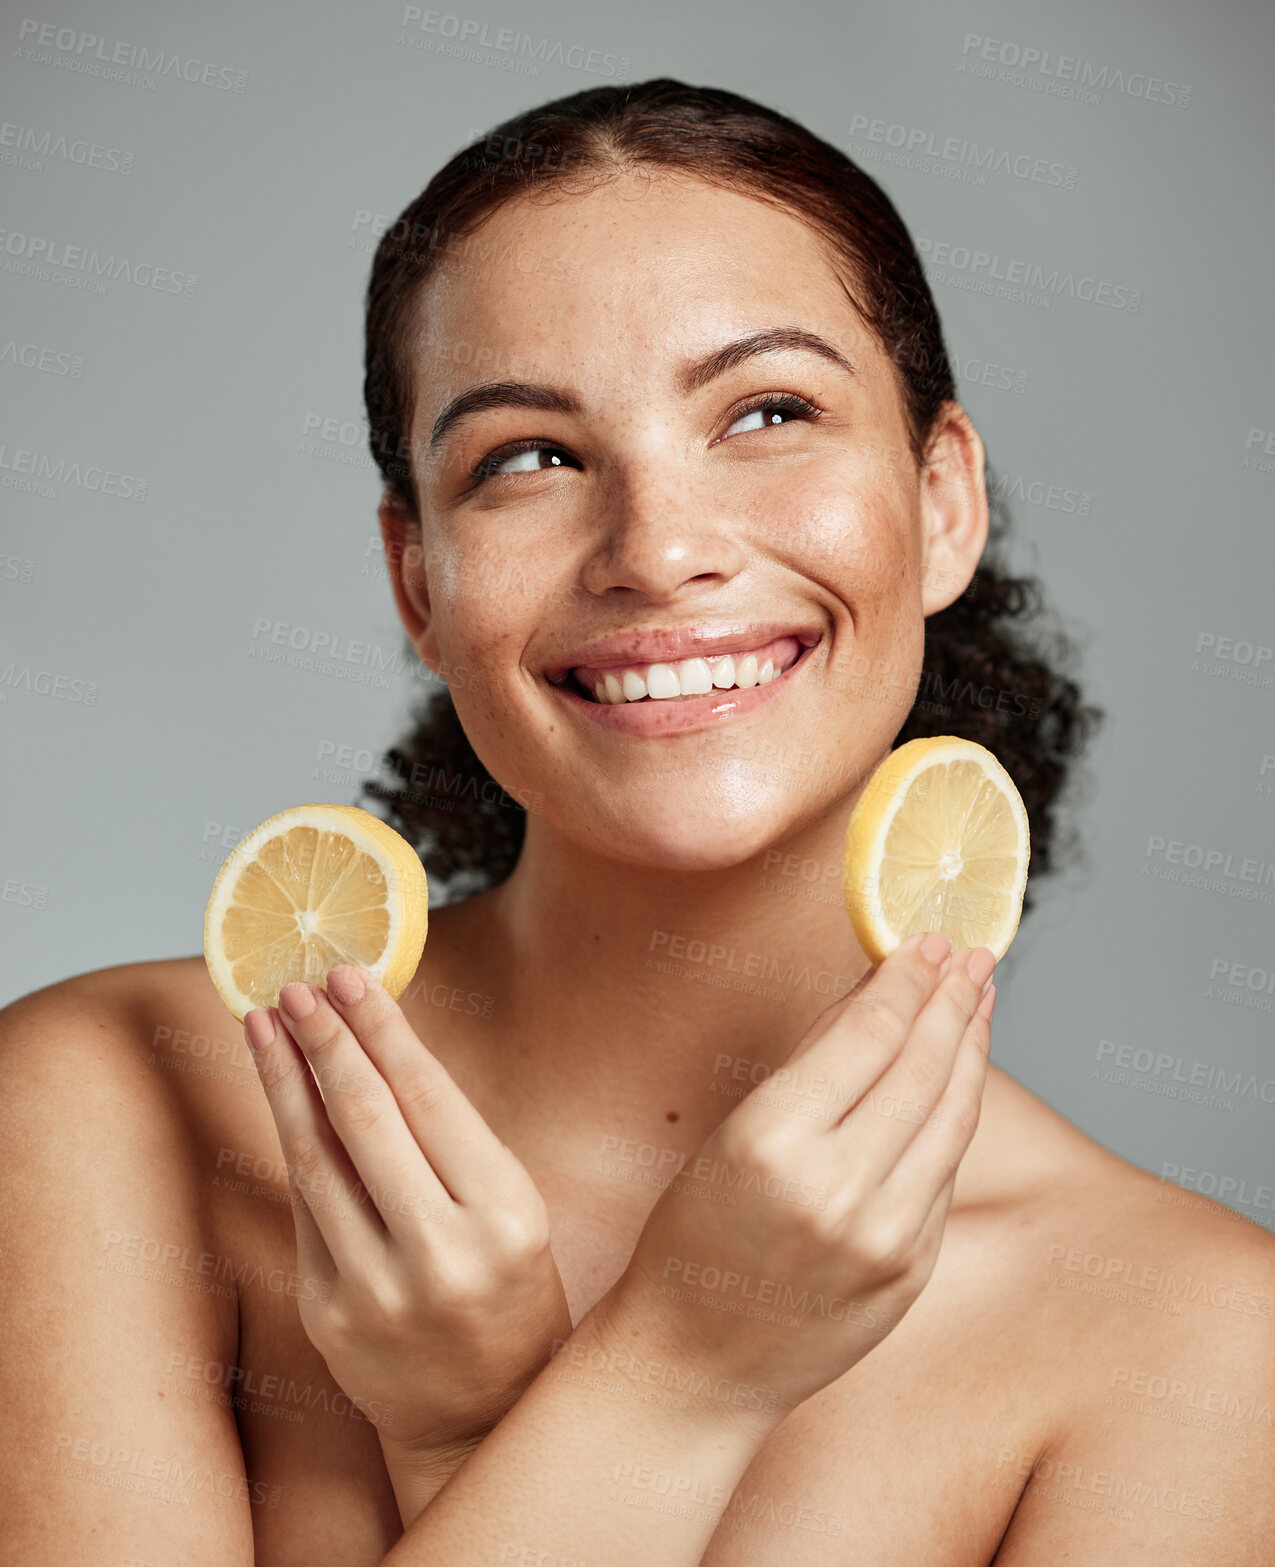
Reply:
x=766, y=411
x=775, y=410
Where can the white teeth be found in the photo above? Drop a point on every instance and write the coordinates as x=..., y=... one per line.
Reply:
x=661, y=681
x=690, y=677
x=694, y=678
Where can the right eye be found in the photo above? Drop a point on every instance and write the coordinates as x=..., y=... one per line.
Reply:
x=491, y=464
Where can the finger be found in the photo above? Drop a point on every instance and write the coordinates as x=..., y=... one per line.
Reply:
x=469, y=1159
x=887, y=1119
x=337, y=1215
x=936, y=1151
x=853, y=1042
x=314, y=1257
x=363, y=1112
x=930, y=1236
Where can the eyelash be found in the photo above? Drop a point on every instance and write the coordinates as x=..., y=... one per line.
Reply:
x=785, y=402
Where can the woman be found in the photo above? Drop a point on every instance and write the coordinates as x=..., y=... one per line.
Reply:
x=654, y=376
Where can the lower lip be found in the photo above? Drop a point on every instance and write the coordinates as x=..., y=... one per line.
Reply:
x=674, y=715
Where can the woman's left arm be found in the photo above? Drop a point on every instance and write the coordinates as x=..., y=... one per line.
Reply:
x=441, y=1298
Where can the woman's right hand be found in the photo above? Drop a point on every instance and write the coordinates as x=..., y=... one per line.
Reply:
x=812, y=1217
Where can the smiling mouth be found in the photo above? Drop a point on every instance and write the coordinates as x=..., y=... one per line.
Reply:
x=686, y=679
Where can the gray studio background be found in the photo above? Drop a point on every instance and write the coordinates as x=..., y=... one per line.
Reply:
x=141, y=735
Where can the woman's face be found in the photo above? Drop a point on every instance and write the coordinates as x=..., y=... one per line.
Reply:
x=656, y=516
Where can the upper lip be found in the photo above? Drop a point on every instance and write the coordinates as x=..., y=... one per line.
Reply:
x=625, y=649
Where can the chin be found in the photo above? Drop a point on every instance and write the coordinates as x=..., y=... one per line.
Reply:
x=685, y=837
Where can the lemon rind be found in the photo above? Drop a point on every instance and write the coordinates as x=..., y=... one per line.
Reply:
x=407, y=903
x=870, y=823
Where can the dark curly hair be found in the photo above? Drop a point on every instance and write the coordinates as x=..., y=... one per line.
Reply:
x=984, y=676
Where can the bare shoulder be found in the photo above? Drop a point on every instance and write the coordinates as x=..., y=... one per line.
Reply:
x=142, y=1064
x=115, y=1264
x=1153, y=1320
x=158, y=1022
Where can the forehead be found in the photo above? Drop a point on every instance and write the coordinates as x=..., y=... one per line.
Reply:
x=614, y=287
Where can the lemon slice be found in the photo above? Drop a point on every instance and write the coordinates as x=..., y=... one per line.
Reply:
x=311, y=887
x=938, y=840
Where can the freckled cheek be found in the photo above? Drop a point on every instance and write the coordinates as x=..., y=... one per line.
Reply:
x=854, y=538
x=485, y=624
x=479, y=629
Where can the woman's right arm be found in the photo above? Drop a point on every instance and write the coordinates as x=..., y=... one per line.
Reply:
x=101, y=1239
x=836, y=1215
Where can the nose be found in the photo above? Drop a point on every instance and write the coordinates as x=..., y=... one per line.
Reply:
x=658, y=537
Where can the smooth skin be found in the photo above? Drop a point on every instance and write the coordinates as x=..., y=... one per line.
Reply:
x=172, y=1392
x=387, y=1288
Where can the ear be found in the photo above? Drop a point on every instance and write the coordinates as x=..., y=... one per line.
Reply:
x=953, y=509
x=405, y=560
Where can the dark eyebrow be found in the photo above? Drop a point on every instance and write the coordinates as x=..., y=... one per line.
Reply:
x=692, y=377
x=772, y=340
x=502, y=394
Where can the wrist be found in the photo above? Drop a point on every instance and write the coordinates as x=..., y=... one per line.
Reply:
x=425, y=1458
x=630, y=1343
x=418, y=1472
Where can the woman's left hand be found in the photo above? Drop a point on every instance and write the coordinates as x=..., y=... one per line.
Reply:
x=426, y=1279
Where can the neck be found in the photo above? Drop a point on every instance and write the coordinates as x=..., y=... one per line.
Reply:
x=611, y=1029
x=647, y=996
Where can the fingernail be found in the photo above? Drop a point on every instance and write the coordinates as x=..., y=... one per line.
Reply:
x=979, y=964
x=345, y=983
x=297, y=1000
x=935, y=947
x=988, y=1004
x=258, y=1028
